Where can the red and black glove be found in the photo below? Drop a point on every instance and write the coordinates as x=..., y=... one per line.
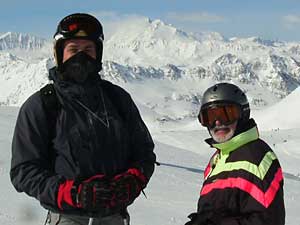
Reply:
x=127, y=186
x=92, y=194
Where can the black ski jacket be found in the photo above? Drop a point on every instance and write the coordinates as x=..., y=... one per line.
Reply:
x=93, y=136
x=243, y=183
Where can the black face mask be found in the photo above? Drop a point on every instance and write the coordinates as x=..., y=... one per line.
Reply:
x=79, y=68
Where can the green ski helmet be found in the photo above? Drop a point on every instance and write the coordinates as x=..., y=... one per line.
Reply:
x=78, y=26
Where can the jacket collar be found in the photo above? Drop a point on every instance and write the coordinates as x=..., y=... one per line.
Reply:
x=237, y=141
x=72, y=89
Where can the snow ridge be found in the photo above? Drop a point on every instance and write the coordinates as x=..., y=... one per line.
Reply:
x=11, y=40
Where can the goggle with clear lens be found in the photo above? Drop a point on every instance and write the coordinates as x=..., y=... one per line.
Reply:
x=226, y=114
x=80, y=26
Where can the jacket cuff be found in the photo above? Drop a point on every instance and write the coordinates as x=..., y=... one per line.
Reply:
x=138, y=173
x=65, y=194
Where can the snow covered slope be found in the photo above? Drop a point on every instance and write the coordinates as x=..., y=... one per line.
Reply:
x=283, y=115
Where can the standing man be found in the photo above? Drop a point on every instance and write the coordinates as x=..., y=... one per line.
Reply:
x=243, y=182
x=80, y=145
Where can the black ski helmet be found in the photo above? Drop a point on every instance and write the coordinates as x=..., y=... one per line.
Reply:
x=226, y=93
x=78, y=26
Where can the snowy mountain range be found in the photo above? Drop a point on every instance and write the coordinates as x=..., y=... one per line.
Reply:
x=181, y=65
x=11, y=40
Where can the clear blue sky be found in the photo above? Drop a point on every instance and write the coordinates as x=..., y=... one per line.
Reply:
x=269, y=19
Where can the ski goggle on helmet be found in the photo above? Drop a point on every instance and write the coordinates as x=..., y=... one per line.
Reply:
x=224, y=102
x=225, y=113
x=78, y=26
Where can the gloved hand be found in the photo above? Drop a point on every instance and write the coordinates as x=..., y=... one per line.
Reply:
x=127, y=187
x=92, y=194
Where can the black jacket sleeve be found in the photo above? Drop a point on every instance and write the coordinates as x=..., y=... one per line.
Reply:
x=31, y=170
x=141, y=141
